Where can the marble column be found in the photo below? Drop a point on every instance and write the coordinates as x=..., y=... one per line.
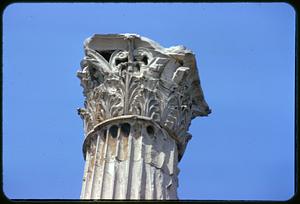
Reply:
x=140, y=99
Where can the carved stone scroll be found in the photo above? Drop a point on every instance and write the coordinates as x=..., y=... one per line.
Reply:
x=140, y=99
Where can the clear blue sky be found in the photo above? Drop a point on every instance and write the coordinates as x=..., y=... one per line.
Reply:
x=245, y=54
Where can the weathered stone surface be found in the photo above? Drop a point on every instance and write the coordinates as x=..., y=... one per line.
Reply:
x=140, y=100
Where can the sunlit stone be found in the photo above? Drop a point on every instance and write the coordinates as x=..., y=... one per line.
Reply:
x=140, y=99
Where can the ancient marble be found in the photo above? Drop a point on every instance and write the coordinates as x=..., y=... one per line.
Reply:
x=140, y=99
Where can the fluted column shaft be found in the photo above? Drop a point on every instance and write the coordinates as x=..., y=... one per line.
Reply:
x=132, y=159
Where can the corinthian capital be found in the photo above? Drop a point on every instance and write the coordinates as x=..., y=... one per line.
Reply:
x=130, y=75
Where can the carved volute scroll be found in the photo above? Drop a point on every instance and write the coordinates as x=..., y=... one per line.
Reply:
x=131, y=76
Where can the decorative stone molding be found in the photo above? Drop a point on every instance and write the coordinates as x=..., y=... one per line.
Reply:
x=140, y=99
